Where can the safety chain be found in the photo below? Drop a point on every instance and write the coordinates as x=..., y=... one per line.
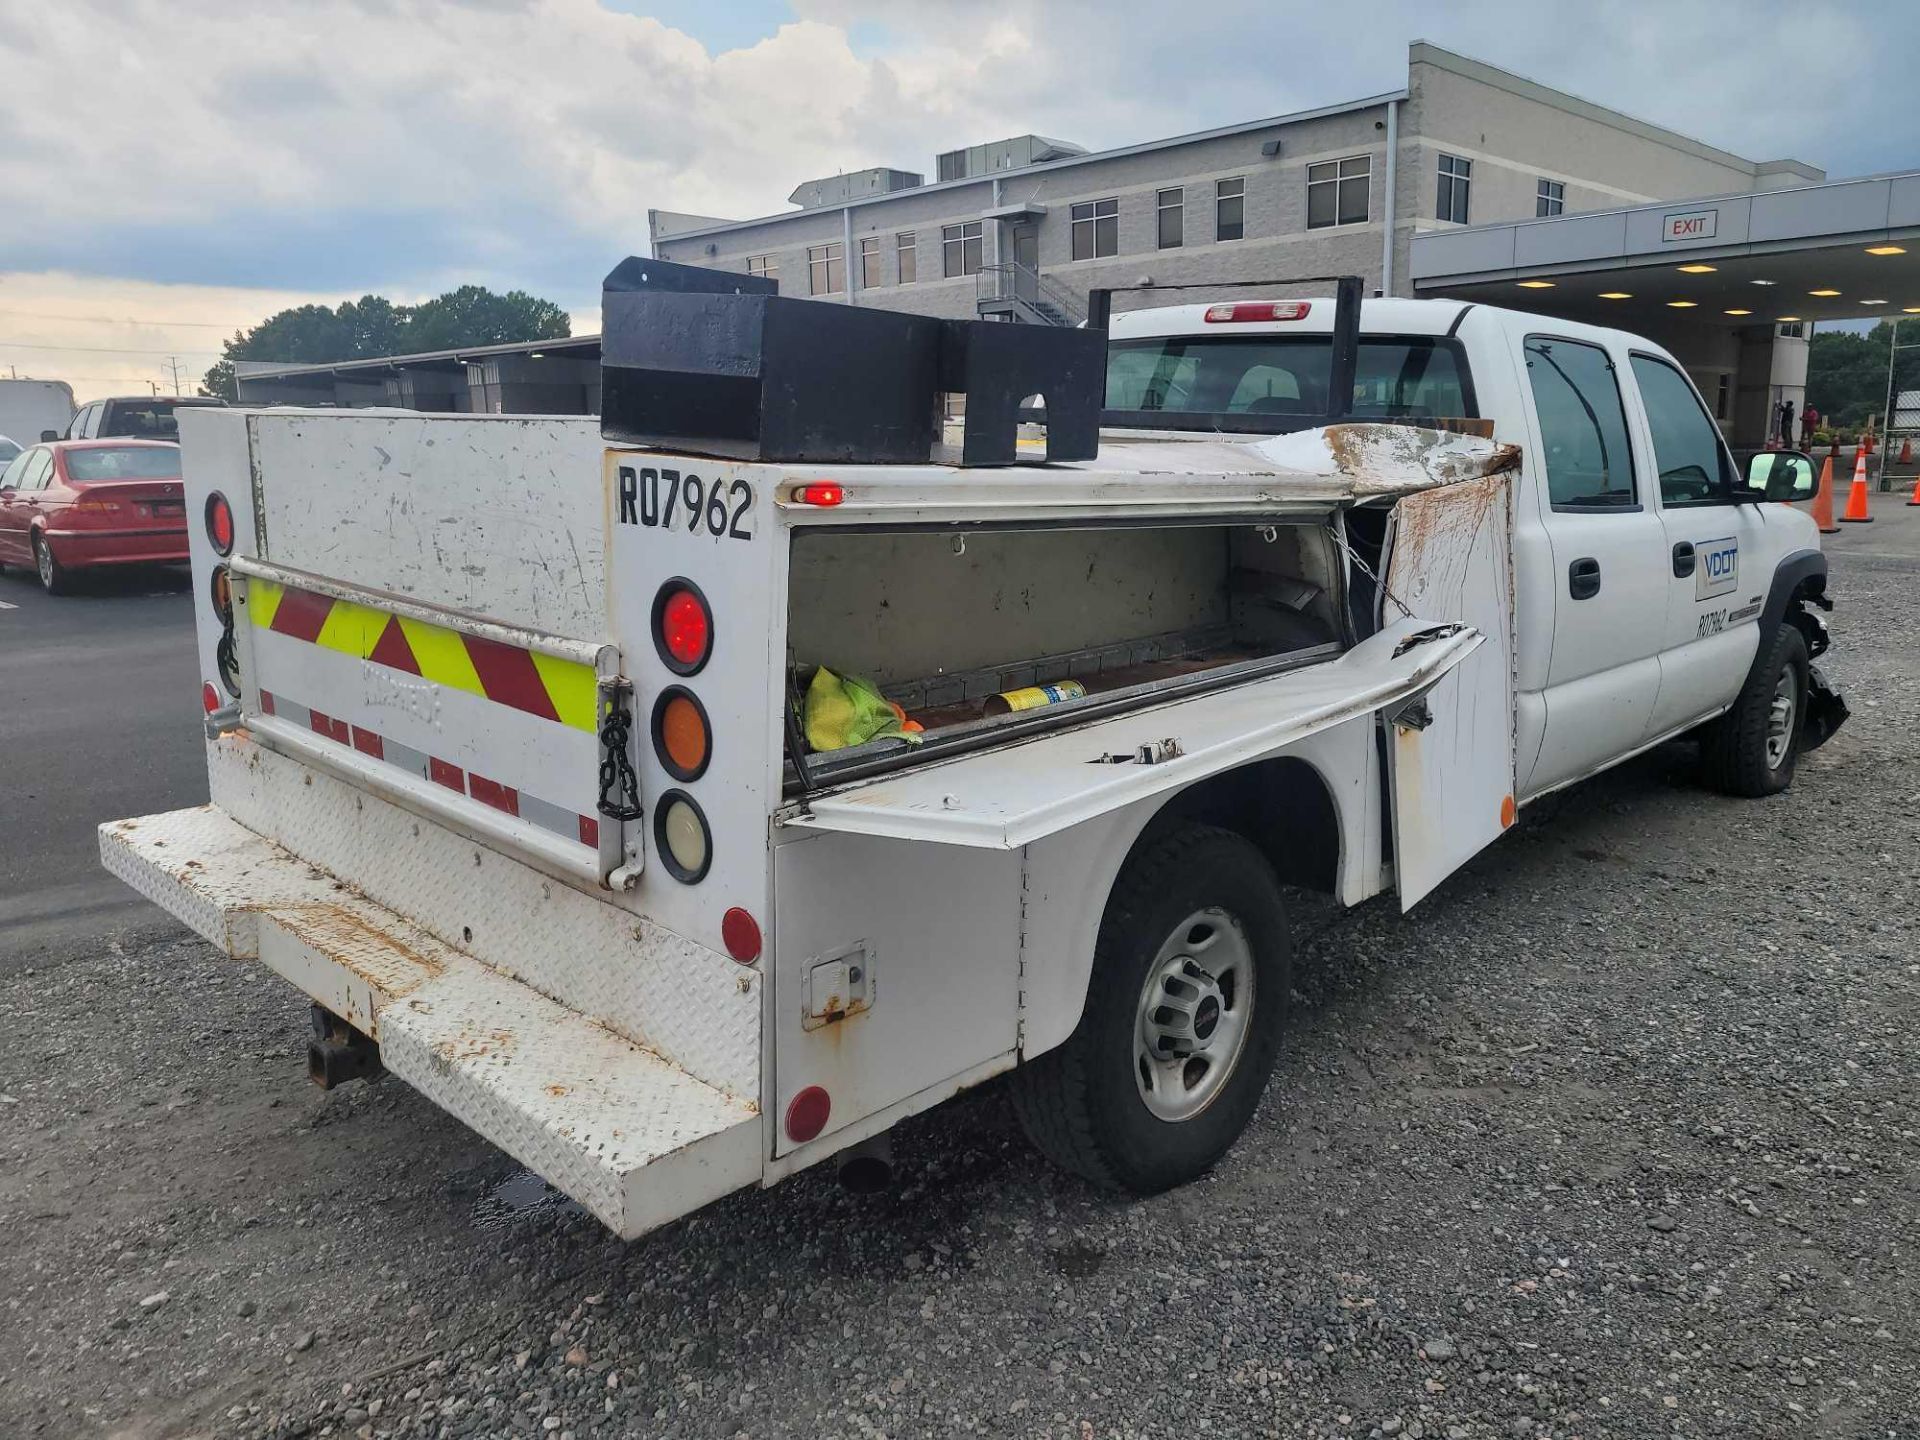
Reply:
x=1367, y=570
x=619, y=786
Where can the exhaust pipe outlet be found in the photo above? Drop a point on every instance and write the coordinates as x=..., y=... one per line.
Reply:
x=338, y=1053
x=867, y=1168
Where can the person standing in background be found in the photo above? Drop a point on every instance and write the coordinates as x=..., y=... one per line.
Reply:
x=1809, y=422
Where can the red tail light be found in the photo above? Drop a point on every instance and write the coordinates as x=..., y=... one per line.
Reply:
x=1241, y=311
x=220, y=523
x=820, y=492
x=741, y=934
x=95, y=505
x=807, y=1114
x=682, y=627
x=209, y=698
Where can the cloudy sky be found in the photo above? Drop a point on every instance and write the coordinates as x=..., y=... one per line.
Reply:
x=173, y=169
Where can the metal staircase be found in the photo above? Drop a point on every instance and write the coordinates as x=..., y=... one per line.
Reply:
x=1012, y=291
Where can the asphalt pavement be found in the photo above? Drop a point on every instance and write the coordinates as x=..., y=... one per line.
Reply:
x=99, y=719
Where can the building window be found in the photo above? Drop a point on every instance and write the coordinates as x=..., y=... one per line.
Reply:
x=1337, y=192
x=1456, y=178
x=908, y=257
x=1550, y=198
x=1793, y=330
x=1096, y=229
x=1229, y=209
x=870, y=262
x=767, y=266
x=1171, y=206
x=826, y=269
x=960, y=249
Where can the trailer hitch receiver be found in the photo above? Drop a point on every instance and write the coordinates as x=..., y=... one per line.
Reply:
x=338, y=1053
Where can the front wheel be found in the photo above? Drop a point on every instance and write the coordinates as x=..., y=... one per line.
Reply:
x=1752, y=749
x=1182, y=1021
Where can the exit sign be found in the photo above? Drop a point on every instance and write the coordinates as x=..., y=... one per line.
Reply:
x=1693, y=225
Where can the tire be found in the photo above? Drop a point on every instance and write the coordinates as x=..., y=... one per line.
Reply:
x=53, y=575
x=1745, y=751
x=1085, y=1104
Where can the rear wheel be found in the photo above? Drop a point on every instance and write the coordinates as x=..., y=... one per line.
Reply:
x=1752, y=749
x=1182, y=1021
x=53, y=575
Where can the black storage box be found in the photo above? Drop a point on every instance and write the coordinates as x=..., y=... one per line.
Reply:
x=719, y=363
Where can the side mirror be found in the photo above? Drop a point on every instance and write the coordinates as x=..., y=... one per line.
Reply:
x=1780, y=475
x=46, y=435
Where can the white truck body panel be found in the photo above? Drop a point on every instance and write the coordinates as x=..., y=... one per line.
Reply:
x=29, y=408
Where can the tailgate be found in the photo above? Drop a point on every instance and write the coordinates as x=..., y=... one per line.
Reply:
x=418, y=606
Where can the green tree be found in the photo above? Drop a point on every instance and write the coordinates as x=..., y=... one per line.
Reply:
x=1847, y=372
x=374, y=325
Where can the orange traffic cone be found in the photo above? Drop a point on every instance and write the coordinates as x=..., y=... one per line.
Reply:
x=1823, y=499
x=1856, y=511
x=1906, y=452
x=1916, y=491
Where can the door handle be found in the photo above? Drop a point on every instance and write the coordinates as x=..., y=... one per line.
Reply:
x=1683, y=560
x=1583, y=578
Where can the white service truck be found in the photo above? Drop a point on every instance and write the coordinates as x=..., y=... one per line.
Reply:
x=517, y=768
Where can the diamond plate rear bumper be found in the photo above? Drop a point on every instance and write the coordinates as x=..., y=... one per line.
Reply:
x=636, y=1140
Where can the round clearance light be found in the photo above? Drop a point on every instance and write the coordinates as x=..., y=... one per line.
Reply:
x=680, y=831
x=220, y=523
x=220, y=589
x=209, y=698
x=740, y=932
x=682, y=738
x=807, y=1114
x=682, y=627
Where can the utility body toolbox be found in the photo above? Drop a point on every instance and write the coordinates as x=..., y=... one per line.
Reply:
x=543, y=765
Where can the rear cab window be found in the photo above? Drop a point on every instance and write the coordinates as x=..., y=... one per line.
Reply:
x=1287, y=377
x=123, y=462
x=1583, y=425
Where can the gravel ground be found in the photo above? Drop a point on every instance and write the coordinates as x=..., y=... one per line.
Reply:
x=1615, y=1137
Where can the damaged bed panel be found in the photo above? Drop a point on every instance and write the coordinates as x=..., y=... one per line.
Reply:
x=1005, y=798
x=1450, y=557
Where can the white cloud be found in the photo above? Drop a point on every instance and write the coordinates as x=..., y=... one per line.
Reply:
x=403, y=146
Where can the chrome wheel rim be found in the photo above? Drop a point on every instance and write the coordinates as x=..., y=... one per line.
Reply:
x=1780, y=719
x=43, y=559
x=1194, y=1013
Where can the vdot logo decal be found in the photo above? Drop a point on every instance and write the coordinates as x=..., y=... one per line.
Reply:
x=1719, y=568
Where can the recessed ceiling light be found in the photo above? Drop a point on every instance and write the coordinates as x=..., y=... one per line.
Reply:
x=1682, y=304
x=1736, y=312
x=1789, y=319
x=1698, y=269
x=1763, y=282
x=1910, y=310
x=1616, y=295
x=1824, y=294
x=1873, y=302
x=1886, y=249
x=1536, y=284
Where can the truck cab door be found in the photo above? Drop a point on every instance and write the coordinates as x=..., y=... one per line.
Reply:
x=1718, y=563
x=1606, y=571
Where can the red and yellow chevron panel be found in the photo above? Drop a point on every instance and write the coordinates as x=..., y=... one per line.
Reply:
x=564, y=691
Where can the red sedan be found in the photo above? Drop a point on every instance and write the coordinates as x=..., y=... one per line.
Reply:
x=72, y=504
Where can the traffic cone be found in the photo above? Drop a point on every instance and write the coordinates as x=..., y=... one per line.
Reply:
x=1906, y=452
x=1823, y=499
x=1916, y=491
x=1856, y=511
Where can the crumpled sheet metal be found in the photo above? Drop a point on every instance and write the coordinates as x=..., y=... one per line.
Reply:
x=1376, y=459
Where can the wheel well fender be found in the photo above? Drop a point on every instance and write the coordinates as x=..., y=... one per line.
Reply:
x=1283, y=805
x=1801, y=575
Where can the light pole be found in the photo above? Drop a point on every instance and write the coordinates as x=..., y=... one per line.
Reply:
x=1894, y=347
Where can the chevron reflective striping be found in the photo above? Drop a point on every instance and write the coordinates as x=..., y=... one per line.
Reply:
x=556, y=819
x=542, y=685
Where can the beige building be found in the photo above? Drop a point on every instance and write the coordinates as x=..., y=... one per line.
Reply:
x=1024, y=227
